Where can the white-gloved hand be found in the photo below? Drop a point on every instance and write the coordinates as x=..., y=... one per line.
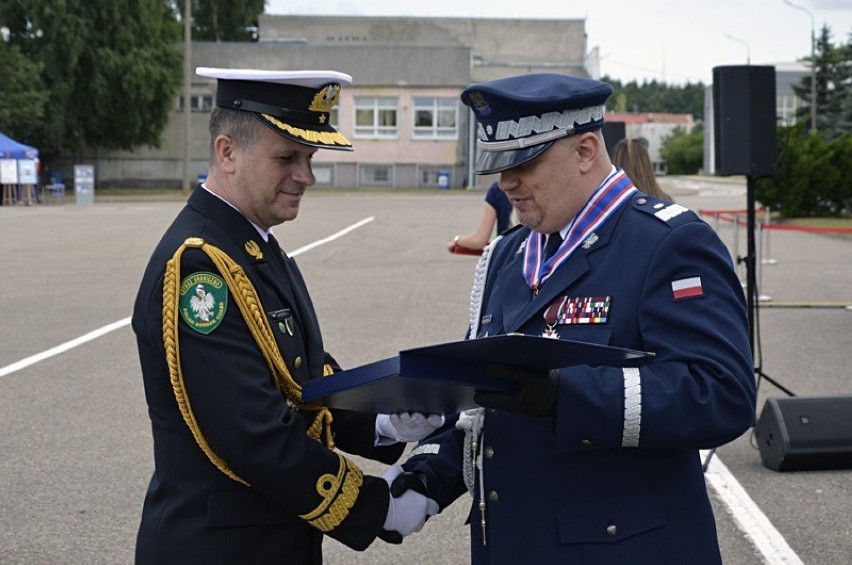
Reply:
x=407, y=426
x=408, y=512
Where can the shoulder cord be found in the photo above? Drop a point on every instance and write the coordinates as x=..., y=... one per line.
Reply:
x=471, y=421
x=476, y=292
x=249, y=304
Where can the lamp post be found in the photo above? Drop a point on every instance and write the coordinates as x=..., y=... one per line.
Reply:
x=187, y=96
x=813, y=63
x=738, y=40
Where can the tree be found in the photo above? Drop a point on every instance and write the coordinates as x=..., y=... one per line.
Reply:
x=833, y=84
x=656, y=96
x=110, y=68
x=22, y=94
x=812, y=177
x=684, y=152
x=222, y=20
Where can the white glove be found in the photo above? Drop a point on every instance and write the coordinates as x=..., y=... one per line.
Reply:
x=407, y=426
x=408, y=512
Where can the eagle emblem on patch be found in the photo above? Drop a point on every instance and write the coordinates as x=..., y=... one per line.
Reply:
x=203, y=301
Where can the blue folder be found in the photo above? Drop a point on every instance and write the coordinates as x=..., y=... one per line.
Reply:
x=441, y=379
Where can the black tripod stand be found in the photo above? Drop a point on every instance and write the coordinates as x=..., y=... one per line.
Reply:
x=752, y=302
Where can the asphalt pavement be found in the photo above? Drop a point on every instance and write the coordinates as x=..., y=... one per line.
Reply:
x=74, y=433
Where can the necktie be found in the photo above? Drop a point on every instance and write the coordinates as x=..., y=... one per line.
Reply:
x=273, y=243
x=554, y=240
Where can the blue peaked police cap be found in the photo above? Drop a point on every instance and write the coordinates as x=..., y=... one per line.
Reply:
x=519, y=117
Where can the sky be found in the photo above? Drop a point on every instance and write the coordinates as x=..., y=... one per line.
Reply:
x=673, y=41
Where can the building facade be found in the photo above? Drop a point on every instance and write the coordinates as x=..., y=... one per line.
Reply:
x=402, y=112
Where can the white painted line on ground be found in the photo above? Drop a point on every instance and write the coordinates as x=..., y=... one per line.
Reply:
x=332, y=237
x=62, y=348
x=748, y=517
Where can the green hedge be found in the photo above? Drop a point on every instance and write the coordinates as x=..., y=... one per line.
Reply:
x=814, y=177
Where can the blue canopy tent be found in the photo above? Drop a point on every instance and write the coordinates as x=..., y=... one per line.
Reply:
x=11, y=149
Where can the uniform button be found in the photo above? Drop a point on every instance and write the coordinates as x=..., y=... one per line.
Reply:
x=586, y=443
x=489, y=452
x=493, y=496
x=297, y=362
x=611, y=529
x=641, y=200
x=282, y=328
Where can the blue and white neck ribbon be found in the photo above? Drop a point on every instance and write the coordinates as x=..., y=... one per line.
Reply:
x=612, y=193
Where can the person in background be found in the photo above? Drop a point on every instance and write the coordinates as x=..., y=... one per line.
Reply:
x=497, y=213
x=244, y=471
x=597, y=462
x=631, y=154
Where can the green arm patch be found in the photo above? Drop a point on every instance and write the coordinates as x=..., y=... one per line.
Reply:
x=203, y=301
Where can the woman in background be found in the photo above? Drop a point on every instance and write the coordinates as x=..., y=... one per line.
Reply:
x=632, y=156
x=497, y=212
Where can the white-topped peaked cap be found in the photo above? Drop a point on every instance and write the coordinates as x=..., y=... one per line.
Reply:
x=295, y=104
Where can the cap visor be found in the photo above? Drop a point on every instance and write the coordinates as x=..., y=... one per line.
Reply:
x=489, y=162
x=324, y=137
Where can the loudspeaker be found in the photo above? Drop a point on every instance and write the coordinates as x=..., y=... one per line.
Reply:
x=801, y=434
x=744, y=120
x=613, y=132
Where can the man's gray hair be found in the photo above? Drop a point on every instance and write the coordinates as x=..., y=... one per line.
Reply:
x=242, y=127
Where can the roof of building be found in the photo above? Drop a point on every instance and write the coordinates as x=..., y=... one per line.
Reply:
x=649, y=117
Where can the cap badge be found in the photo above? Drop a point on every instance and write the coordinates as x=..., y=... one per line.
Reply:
x=325, y=99
x=477, y=101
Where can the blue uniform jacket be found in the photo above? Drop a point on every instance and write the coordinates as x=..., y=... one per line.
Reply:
x=193, y=512
x=615, y=476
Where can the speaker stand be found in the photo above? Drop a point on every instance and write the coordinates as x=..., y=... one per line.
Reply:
x=752, y=303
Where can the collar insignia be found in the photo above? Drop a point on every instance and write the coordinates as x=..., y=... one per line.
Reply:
x=253, y=249
x=590, y=241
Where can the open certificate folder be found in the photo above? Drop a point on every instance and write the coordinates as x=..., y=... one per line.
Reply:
x=441, y=379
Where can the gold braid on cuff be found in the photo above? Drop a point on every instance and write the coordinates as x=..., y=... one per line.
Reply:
x=339, y=493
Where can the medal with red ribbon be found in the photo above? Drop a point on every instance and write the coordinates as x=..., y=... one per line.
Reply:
x=551, y=316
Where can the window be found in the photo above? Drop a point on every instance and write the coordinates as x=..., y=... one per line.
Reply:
x=435, y=118
x=375, y=117
x=198, y=103
x=375, y=175
x=431, y=177
x=324, y=174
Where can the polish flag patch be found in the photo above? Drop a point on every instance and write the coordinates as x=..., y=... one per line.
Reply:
x=687, y=288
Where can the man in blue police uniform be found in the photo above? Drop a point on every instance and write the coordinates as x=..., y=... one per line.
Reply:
x=591, y=464
x=245, y=472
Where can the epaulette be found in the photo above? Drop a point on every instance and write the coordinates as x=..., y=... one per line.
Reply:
x=669, y=213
